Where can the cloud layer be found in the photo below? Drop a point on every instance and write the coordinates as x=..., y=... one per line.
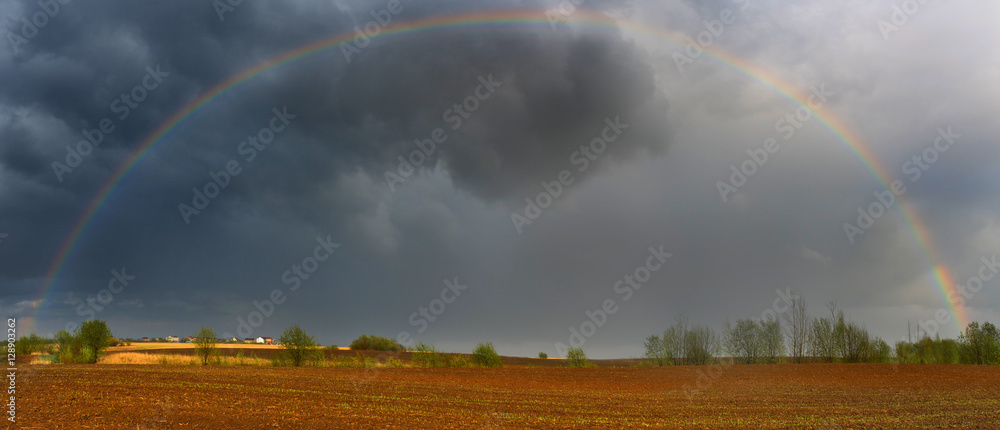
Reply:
x=485, y=117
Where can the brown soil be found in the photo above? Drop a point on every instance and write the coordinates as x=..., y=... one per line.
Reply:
x=816, y=396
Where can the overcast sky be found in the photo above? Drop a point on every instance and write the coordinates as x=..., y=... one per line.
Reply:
x=378, y=243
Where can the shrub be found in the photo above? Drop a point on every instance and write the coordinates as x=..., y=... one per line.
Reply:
x=31, y=343
x=280, y=360
x=486, y=356
x=367, y=342
x=426, y=359
x=455, y=360
x=575, y=357
x=427, y=356
x=69, y=347
x=543, y=355
x=204, y=344
x=297, y=347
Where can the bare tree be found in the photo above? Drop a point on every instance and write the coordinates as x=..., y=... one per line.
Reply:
x=797, y=328
x=701, y=345
x=729, y=344
x=680, y=342
x=839, y=327
x=655, y=352
x=857, y=344
x=673, y=345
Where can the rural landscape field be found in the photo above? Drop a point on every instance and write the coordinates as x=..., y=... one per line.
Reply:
x=527, y=393
x=500, y=214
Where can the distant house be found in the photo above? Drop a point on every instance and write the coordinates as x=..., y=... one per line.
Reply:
x=173, y=339
x=144, y=339
x=260, y=340
x=268, y=340
x=234, y=340
x=248, y=340
x=190, y=338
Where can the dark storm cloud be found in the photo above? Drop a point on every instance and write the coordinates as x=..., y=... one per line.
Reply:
x=553, y=93
x=352, y=121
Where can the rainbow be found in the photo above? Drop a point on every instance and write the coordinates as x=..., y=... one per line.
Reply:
x=581, y=19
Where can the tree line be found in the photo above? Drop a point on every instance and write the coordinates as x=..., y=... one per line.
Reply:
x=795, y=337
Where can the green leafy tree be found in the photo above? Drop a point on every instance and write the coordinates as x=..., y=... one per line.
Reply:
x=905, y=352
x=297, y=346
x=772, y=341
x=575, y=357
x=543, y=355
x=980, y=344
x=205, y=344
x=485, y=355
x=880, y=351
x=821, y=341
x=95, y=336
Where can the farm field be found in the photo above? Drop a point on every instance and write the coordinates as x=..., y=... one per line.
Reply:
x=811, y=396
x=140, y=346
x=184, y=352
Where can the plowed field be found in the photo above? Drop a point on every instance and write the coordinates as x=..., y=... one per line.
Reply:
x=817, y=396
